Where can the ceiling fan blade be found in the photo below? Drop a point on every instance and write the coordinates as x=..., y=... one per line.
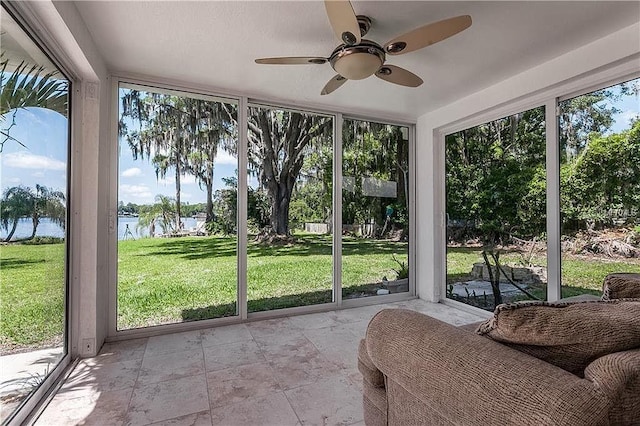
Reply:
x=397, y=75
x=333, y=84
x=343, y=20
x=427, y=35
x=293, y=60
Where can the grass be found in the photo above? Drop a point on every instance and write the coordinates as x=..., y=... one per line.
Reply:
x=31, y=295
x=184, y=279
x=580, y=275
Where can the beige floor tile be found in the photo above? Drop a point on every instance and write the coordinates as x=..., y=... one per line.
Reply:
x=198, y=419
x=226, y=334
x=104, y=408
x=126, y=350
x=302, y=369
x=359, y=328
x=89, y=375
x=168, y=400
x=175, y=342
x=338, y=344
x=220, y=357
x=237, y=384
x=333, y=401
x=270, y=327
x=365, y=313
x=171, y=366
x=355, y=377
x=270, y=410
x=240, y=372
x=444, y=313
x=313, y=321
x=294, y=343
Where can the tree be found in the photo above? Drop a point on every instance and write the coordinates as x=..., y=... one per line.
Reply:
x=225, y=209
x=16, y=203
x=212, y=125
x=490, y=169
x=592, y=113
x=179, y=133
x=47, y=203
x=162, y=214
x=29, y=86
x=604, y=177
x=160, y=135
x=378, y=151
x=279, y=140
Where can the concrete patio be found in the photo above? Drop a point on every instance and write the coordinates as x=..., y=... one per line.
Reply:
x=289, y=371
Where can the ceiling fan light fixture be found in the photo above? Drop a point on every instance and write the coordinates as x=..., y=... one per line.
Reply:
x=357, y=62
x=357, y=66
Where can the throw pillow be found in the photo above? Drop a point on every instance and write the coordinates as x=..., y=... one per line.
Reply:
x=568, y=335
x=620, y=286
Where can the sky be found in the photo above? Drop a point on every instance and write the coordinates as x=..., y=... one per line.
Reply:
x=44, y=160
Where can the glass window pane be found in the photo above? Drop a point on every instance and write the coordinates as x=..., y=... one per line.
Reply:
x=375, y=209
x=289, y=254
x=599, y=186
x=177, y=213
x=34, y=147
x=496, y=211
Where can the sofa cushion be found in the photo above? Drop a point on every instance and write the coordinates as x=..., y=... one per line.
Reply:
x=568, y=335
x=620, y=286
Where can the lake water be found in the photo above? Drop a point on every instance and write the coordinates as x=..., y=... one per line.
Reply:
x=46, y=228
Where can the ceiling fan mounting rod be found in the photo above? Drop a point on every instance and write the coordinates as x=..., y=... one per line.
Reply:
x=364, y=22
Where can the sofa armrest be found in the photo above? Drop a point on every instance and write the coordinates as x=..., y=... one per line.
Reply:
x=618, y=374
x=370, y=372
x=470, y=379
x=621, y=285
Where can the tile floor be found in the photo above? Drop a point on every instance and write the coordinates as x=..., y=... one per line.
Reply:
x=298, y=370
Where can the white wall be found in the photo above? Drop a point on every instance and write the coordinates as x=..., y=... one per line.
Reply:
x=605, y=59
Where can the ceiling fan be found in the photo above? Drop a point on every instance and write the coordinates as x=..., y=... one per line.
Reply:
x=357, y=58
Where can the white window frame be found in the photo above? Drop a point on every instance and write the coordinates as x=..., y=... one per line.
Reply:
x=25, y=17
x=549, y=98
x=243, y=315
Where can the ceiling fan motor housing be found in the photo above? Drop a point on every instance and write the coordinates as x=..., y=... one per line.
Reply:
x=357, y=62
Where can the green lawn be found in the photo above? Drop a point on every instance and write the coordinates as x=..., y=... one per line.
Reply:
x=183, y=279
x=580, y=275
x=31, y=295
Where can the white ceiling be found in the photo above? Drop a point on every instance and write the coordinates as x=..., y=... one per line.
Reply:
x=214, y=44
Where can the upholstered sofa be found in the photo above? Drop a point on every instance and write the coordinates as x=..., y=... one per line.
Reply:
x=420, y=371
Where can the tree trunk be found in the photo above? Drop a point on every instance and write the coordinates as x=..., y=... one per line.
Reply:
x=178, y=212
x=35, y=220
x=209, y=210
x=13, y=230
x=495, y=279
x=280, y=210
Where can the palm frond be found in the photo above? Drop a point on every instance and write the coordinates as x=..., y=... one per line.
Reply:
x=32, y=86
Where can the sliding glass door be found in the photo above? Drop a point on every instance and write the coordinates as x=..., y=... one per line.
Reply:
x=375, y=209
x=177, y=213
x=34, y=152
x=182, y=202
x=289, y=217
